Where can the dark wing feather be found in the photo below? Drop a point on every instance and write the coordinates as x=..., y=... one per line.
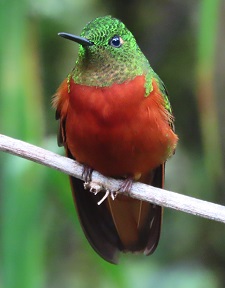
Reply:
x=61, y=131
x=155, y=213
x=96, y=221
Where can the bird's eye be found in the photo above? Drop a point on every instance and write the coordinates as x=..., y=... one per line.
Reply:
x=116, y=41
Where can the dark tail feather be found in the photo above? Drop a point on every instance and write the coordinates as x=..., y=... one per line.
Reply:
x=138, y=223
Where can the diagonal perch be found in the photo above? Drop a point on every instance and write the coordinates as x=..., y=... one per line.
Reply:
x=140, y=191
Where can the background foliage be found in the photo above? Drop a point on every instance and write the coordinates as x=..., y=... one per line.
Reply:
x=41, y=242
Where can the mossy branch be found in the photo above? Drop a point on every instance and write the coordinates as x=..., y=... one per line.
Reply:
x=139, y=191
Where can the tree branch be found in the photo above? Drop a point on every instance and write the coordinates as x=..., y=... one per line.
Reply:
x=139, y=191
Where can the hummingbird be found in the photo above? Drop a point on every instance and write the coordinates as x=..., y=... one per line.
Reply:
x=115, y=117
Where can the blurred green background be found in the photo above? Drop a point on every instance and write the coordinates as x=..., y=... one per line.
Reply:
x=41, y=242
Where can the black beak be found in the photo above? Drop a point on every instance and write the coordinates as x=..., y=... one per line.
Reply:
x=81, y=40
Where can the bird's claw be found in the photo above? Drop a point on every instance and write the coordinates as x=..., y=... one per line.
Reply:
x=107, y=192
x=110, y=193
x=95, y=188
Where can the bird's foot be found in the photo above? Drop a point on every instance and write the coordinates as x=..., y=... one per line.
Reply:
x=87, y=173
x=95, y=188
x=126, y=185
x=124, y=188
